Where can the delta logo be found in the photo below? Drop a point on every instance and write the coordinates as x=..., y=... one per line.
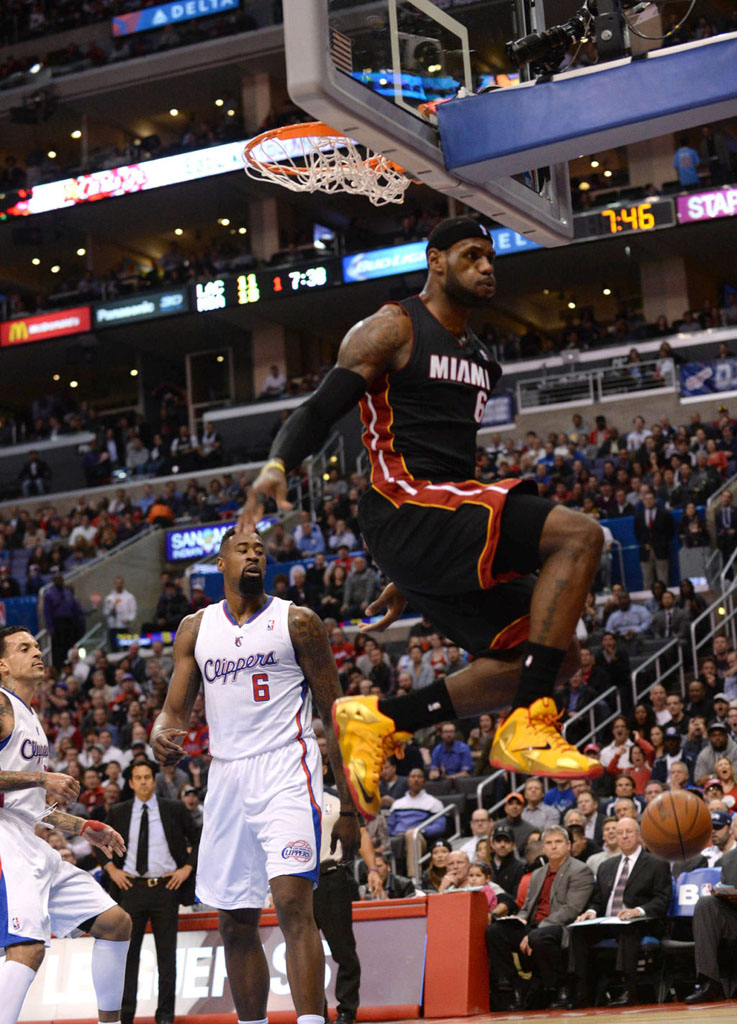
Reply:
x=299, y=850
x=45, y=325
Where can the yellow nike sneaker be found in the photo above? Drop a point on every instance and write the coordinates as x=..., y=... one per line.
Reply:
x=529, y=741
x=367, y=738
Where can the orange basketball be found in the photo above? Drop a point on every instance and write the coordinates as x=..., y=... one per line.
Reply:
x=676, y=825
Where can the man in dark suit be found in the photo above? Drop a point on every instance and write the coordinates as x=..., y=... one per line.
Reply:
x=634, y=887
x=714, y=919
x=654, y=531
x=154, y=876
x=558, y=893
x=725, y=521
x=670, y=621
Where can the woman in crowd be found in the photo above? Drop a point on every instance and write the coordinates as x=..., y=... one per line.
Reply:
x=692, y=532
x=642, y=720
x=332, y=600
x=434, y=875
x=724, y=771
x=656, y=739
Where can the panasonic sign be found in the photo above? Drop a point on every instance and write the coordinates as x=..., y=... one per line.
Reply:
x=110, y=314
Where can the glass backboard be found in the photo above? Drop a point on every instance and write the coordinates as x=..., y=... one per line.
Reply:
x=376, y=72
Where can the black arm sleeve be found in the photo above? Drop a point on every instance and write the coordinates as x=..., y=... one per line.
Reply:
x=308, y=426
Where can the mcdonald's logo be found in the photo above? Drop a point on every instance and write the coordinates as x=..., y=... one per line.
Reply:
x=18, y=332
x=45, y=325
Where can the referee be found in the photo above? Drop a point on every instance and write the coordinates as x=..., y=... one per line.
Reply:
x=333, y=898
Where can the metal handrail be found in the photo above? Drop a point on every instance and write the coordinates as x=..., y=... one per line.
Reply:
x=726, y=601
x=487, y=780
x=589, y=709
x=660, y=676
x=419, y=829
x=723, y=578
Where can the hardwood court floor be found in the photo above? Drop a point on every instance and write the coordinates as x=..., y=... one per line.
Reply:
x=667, y=1013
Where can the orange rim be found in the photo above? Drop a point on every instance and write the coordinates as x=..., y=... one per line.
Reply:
x=306, y=130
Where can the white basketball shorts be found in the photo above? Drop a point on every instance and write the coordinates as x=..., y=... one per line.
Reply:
x=40, y=893
x=262, y=819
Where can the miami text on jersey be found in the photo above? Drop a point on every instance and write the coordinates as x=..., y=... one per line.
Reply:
x=462, y=371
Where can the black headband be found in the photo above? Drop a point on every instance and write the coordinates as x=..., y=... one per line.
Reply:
x=453, y=230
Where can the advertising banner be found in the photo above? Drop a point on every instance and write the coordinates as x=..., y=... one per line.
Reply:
x=195, y=541
x=403, y=259
x=717, y=202
x=391, y=953
x=144, y=306
x=499, y=410
x=45, y=325
x=708, y=378
x=169, y=14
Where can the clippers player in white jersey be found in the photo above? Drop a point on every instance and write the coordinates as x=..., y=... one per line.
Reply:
x=39, y=892
x=260, y=661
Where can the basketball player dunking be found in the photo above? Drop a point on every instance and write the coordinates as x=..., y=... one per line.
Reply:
x=39, y=892
x=261, y=661
x=463, y=553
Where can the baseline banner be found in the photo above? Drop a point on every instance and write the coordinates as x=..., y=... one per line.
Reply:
x=708, y=378
x=169, y=14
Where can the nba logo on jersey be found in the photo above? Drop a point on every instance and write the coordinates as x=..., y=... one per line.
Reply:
x=270, y=625
x=300, y=849
x=16, y=924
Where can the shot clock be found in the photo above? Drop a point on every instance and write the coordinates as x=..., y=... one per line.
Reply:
x=633, y=218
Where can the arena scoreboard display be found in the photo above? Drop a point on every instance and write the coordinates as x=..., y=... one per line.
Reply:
x=625, y=218
x=258, y=285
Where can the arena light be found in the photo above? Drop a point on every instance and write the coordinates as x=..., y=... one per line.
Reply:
x=230, y=112
x=73, y=383
x=134, y=372
x=174, y=112
x=36, y=261
x=721, y=610
x=51, y=154
x=56, y=377
x=178, y=231
x=242, y=231
x=224, y=221
x=221, y=359
x=606, y=291
x=571, y=304
x=55, y=269
x=81, y=251
x=219, y=102
x=76, y=134
x=607, y=174
x=595, y=164
x=546, y=291
x=583, y=186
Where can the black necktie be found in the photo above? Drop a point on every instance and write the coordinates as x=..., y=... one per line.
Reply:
x=618, y=898
x=142, y=851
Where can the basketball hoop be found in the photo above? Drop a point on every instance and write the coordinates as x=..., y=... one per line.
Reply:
x=313, y=157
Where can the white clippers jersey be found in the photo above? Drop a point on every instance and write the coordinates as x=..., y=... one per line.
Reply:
x=256, y=697
x=25, y=750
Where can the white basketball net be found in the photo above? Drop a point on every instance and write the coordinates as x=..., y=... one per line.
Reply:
x=326, y=163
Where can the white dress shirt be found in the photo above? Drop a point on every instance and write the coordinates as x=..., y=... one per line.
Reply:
x=631, y=860
x=160, y=860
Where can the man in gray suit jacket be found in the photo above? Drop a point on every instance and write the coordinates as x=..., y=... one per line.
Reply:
x=559, y=891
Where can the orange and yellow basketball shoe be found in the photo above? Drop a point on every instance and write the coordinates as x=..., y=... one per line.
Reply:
x=529, y=741
x=367, y=738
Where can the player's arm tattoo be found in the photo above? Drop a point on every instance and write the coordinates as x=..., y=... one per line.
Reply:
x=312, y=647
x=375, y=345
x=10, y=781
x=7, y=718
x=69, y=823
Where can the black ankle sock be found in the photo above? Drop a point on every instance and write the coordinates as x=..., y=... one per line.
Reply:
x=540, y=667
x=427, y=706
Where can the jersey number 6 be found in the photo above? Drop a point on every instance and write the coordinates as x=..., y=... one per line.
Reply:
x=261, y=687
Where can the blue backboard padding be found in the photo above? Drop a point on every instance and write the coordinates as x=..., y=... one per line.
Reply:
x=515, y=120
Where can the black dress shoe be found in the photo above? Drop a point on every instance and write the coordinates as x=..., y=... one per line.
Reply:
x=627, y=998
x=561, y=999
x=344, y=1018
x=709, y=992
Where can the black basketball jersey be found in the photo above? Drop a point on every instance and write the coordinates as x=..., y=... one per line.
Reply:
x=420, y=422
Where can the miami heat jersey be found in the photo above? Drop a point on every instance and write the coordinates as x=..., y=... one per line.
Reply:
x=26, y=749
x=420, y=422
x=256, y=697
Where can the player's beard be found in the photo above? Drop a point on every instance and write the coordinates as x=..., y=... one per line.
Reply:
x=250, y=586
x=463, y=296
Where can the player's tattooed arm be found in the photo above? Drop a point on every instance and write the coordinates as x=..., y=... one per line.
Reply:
x=7, y=718
x=377, y=344
x=312, y=647
x=183, y=689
